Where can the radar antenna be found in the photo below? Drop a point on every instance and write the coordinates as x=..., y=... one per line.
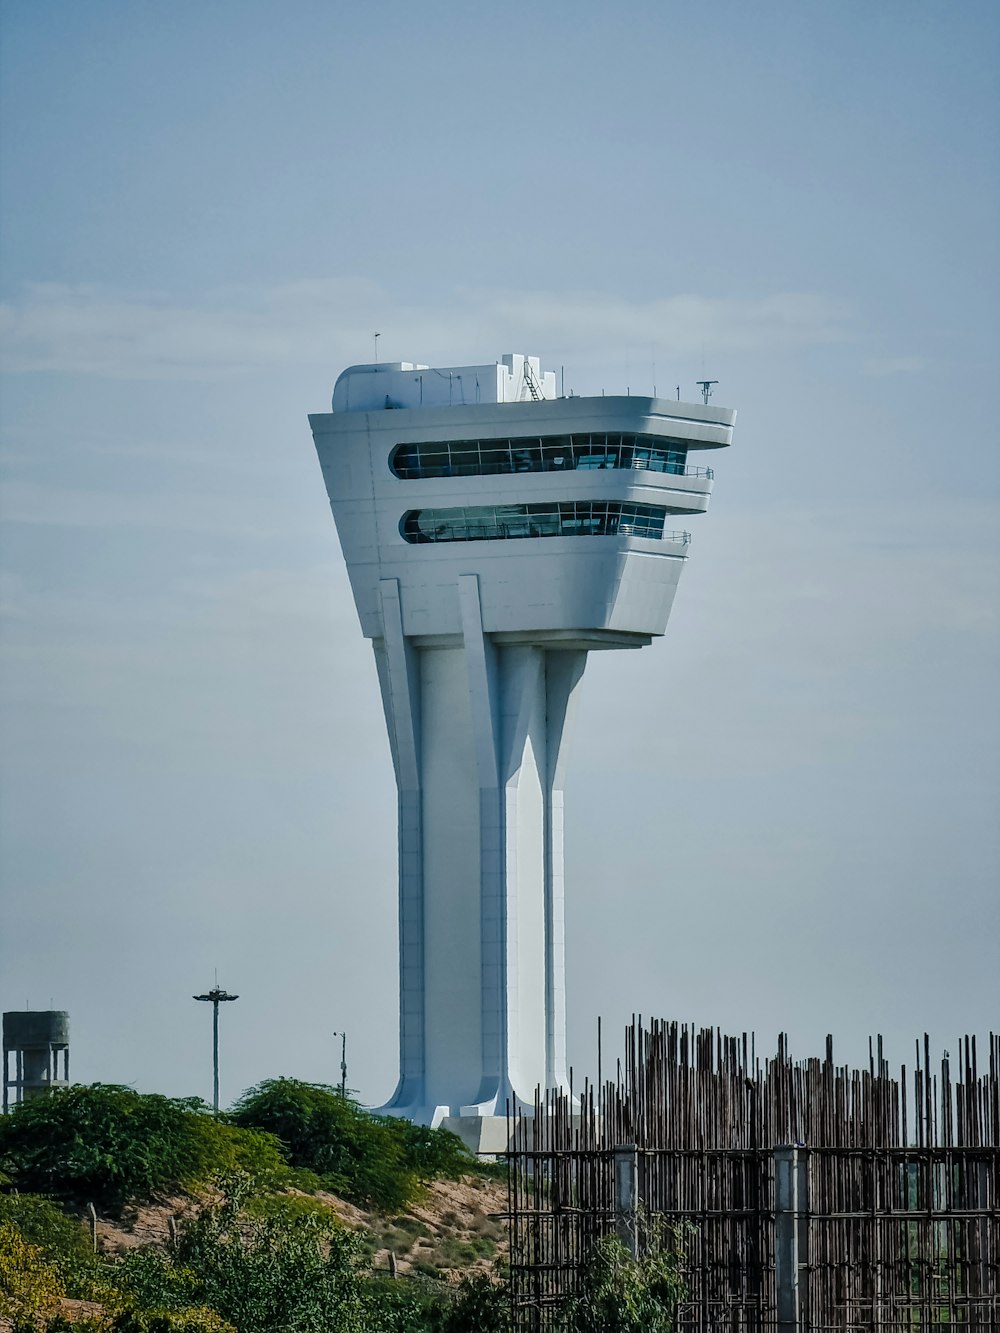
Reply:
x=706, y=388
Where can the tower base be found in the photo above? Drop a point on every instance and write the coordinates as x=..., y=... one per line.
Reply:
x=485, y=1135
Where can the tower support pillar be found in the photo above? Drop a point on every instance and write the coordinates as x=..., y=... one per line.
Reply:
x=478, y=736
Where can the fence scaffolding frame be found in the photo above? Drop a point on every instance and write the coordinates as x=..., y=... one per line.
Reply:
x=812, y=1196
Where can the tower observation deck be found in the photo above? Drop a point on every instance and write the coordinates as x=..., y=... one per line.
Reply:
x=494, y=535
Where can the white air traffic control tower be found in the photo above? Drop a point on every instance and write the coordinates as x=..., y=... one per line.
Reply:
x=495, y=535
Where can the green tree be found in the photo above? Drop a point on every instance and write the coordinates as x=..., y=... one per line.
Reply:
x=433, y=1154
x=106, y=1145
x=367, y=1159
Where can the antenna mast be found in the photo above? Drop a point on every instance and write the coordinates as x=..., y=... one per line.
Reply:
x=706, y=388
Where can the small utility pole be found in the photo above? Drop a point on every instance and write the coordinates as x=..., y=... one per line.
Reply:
x=343, y=1062
x=217, y=996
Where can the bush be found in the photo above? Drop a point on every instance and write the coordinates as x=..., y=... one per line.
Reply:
x=62, y=1241
x=150, y=1279
x=42, y=1223
x=431, y=1154
x=195, y=1320
x=30, y=1288
x=364, y=1158
x=395, y=1306
x=482, y=1305
x=288, y=1270
x=297, y=1273
x=622, y=1294
x=106, y=1145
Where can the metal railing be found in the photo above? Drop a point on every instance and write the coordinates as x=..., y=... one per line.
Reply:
x=640, y=465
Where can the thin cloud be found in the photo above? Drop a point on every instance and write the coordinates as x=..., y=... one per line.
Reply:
x=95, y=331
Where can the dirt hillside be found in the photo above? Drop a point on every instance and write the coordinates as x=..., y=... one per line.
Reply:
x=454, y=1228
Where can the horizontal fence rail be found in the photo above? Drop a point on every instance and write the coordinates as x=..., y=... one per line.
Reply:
x=802, y=1196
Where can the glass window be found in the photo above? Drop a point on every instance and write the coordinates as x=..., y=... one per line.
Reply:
x=569, y=519
x=467, y=458
x=495, y=456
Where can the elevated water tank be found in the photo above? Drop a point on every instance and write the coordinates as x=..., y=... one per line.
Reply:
x=38, y=1040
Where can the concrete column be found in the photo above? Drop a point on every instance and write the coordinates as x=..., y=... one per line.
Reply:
x=478, y=738
x=398, y=671
x=791, y=1236
x=626, y=1163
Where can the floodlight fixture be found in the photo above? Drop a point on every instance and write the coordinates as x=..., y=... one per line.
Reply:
x=215, y=997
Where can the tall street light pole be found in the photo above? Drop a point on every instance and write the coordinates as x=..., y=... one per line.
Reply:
x=343, y=1062
x=216, y=996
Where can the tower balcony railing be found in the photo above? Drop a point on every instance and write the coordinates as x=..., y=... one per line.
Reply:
x=640, y=465
x=678, y=538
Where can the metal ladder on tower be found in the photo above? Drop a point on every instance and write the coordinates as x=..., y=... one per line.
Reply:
x=534, y=388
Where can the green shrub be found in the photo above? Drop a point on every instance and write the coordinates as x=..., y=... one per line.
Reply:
x=30, y=1288
x=431, y=1154
x=150, y=1279
x=44, y=1224
x=481, y=1305
x=359, y=1156
x=368, y=1159
x=62, y=1241
x=622, y=1294
x=194, y=1320
x=105, y=1145
x=395, y=1306
x=427, y=1269
x=290, y=1207
x=300, y=1273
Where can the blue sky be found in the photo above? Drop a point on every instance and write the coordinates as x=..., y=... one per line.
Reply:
x=784, y=814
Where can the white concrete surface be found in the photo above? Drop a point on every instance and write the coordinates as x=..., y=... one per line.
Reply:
x=480, y=648
x=399, y=384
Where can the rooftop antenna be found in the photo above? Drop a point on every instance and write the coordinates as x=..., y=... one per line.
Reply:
x=377, y=336
x=706, y=388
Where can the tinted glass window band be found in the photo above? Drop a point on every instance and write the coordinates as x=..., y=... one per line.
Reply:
x=546, y=453
x=578, y=518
